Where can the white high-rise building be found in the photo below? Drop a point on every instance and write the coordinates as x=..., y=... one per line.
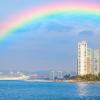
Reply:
x=82, y=58
x=96, y=63
x=89, y=65
x=88, y=60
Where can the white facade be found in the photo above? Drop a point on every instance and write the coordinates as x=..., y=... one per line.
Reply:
x=82, y=58
x=88, y=60
x=52, y=75
x=96, y=63
x=89, y=67
x=60, y=75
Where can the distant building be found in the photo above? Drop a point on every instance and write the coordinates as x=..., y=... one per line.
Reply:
x=52, y=75
x=59, y=75
x=88, y=61
x=13, y=76
x=56, y=75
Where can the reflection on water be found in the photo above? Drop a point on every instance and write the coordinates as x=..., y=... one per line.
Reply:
x=82, y=89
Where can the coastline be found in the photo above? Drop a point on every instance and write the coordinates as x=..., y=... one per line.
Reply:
x=61, y=81
x=67, y=81
x=81, y=81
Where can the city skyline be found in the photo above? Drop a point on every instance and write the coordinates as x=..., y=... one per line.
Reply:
x=49, y=43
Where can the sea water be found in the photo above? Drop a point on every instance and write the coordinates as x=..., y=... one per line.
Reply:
x=29, y=90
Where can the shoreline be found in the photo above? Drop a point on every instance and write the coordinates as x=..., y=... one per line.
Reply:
x=67, y=81
x=81, y=81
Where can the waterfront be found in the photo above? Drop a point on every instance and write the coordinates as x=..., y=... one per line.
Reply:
x=28, y=90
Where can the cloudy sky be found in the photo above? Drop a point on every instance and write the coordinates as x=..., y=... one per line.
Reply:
x=48, y=44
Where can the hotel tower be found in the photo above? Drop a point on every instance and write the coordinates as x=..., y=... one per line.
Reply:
x=88, y=61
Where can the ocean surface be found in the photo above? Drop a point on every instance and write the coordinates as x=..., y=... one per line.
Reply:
x=28, y=90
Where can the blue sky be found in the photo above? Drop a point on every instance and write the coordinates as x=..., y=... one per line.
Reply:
x=50, y=43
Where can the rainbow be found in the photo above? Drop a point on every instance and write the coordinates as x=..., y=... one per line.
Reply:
x=33, y=14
